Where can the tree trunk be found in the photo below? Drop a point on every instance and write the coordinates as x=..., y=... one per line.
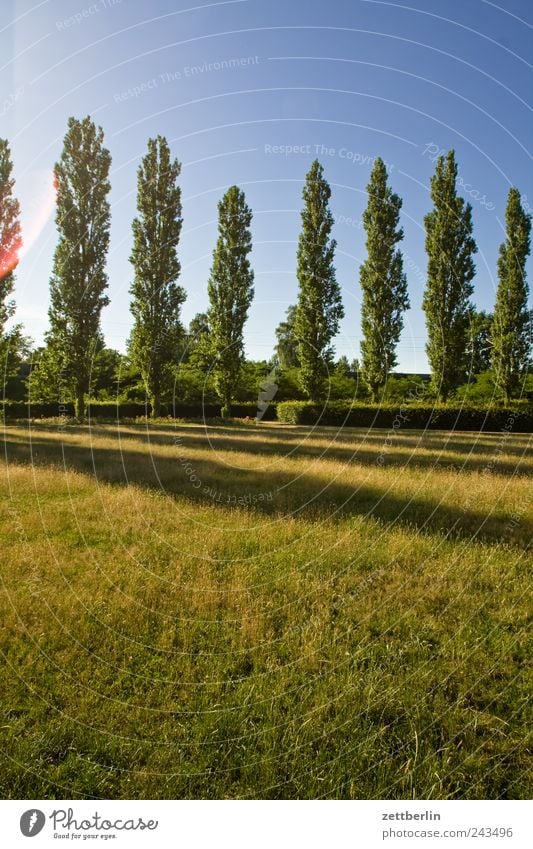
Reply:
x=80, y=404
x=156, y=405
x=226, y=406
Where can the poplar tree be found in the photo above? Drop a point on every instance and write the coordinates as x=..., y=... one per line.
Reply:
x=79, y=280
x=157, y=334
x=230, y=290
x=450, y=247
x=511, y=327
x=382, y=280
x=319, y=308
x=10, y=244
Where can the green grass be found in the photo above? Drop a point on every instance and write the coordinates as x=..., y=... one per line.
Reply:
x=359, y=631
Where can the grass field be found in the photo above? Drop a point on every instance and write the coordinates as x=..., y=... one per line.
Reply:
x=266, y=612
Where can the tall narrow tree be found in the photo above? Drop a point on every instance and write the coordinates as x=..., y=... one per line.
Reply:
x=383, y=281
x=10, y=244
x=154, y=344
x=511, y=328
x=319, y=308
x=450, y=247
x=230, y=290
x=79, y=280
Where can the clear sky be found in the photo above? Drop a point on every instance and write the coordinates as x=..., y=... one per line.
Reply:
x=250, y=92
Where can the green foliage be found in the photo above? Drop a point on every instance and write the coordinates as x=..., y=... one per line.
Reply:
x=355, y=367
x=288, y=382
x=319, y=307
x=511, y=334
x=450, y=247
x=481, y=389
x=16, y=364
x=343, y=387
x=106, y=375
x=252, y=376
x=127, y=410
x=409, y=388
x=478, y=352
x=79, y=281
x=383, y=282
x=10, y=243
x=127, y=383
x=287, y=343
x=230, y=290
x=194, y=385
x=165, y=363
x=157, y=334
x=48, y=382
x=197, y=347
x=407, y=415
x=342, y=367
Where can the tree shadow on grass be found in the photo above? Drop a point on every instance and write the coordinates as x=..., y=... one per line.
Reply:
x=272, y=492
x=383, y=448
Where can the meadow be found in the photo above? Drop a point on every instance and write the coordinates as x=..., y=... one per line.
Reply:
x=264, y=611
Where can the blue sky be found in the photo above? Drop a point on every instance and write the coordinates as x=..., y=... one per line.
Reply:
x=250, y=92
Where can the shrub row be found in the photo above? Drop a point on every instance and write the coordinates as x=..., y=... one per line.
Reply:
x=396, y=416
x=337, y=413
x=131, y=410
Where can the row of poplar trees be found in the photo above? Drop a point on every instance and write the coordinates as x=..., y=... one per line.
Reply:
x=79, y=282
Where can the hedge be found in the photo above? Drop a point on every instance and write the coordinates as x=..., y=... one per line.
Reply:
x=337, y=413
x=397, y=416
x=131, y=410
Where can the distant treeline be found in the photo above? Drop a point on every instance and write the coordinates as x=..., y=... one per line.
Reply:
x=166, y=362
